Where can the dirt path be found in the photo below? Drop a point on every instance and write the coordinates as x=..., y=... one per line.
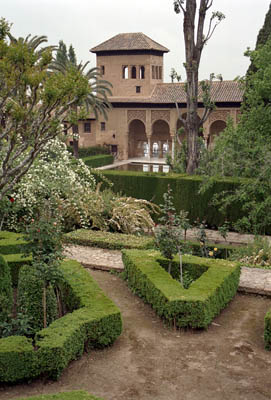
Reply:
x=151, y=362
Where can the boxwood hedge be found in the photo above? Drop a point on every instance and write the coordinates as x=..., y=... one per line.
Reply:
x=74, y=395
x=194, y=307
x=93, y=320
x=12, y=243
x=267, y=330
x=108, y=240
x=6, y=297
x=29, y=298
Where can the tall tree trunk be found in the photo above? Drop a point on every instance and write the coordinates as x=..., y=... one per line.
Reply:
x=192, y=119
x=75, y=148
x=44, y=307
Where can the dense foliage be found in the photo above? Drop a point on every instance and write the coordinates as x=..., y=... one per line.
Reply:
x=245, y=150
x=33, y=103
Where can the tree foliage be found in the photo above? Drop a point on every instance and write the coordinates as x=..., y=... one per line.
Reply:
x=33, y=103
x=97, y=99
x=245, y=150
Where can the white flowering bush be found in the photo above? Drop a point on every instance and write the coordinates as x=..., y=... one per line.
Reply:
x=65, y=184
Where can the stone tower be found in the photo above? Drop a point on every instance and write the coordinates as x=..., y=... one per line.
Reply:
x=132, y=62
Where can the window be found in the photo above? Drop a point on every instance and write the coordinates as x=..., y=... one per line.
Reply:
x=142, y=72
x=156, y=72
x=153, y=71
x=138, y=89
x=87, y=127
x=125, y=72
x=160, y=72
x=75, y=129
x=102, y=126
x=133, y=72
x=102, y=70
x=65, y=129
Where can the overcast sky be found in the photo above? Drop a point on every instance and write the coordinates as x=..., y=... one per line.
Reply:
x=87, y=23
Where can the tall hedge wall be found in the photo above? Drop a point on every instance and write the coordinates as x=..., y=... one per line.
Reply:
x=151, y=186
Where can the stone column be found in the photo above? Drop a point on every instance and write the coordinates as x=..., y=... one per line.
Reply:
x=172, y=136
x=126, y=146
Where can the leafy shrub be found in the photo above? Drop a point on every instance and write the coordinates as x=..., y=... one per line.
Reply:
x=30, y=292
x=194, y=307
x=6, y=297
x=256, y=253
x=19, y=326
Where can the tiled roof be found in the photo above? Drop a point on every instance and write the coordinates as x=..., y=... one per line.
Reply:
x=129, y=41
x=221, y=92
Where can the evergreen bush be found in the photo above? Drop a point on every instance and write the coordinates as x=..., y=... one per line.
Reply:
x=29, y=297
x=195, y=307
x=6, y=297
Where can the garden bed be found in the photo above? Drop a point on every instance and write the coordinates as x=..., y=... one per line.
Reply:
x=93, y=321
x=194, y=307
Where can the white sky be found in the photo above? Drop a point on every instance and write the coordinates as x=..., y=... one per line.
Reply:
x=87, y=23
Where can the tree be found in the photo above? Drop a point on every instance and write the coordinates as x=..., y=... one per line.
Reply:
x=245, y=150
x=195, y=40
x=97, y=101
x=174, y=75
x=33, y=103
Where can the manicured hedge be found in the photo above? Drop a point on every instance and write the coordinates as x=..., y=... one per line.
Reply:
x=15, y=262
x=12, y=243
x=267, y=330
x=6, y=297
x=99, y=160
x=74, y=395
x=151, y=186
x=195, y=307
x=108, y=240
x=94, y=321
x=29, y=298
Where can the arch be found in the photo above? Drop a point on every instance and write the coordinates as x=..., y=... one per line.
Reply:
x=215, y=129
x=125, y=72
x=161, y=142
x=142, y=72
x=133, y=72
x=179, y=125
x=137, y=139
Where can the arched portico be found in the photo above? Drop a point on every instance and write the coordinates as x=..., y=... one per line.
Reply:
x=160, y=142
x=137, y=139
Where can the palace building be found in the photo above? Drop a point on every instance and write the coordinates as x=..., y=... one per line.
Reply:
x=144, y=117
